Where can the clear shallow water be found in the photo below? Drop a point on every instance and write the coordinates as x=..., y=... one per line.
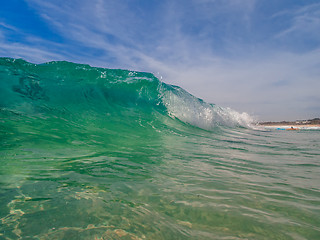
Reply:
x=92, y=153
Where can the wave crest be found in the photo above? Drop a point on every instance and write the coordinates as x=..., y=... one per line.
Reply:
x=77, y=87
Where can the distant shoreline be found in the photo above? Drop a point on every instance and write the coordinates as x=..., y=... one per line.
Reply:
x=311, y=122
x=293, y=125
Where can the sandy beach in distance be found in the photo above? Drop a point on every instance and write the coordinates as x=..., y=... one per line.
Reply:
x=290, y=126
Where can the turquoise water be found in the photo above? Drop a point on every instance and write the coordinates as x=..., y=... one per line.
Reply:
x=93, y=153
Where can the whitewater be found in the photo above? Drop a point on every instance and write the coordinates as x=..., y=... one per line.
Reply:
x=96, y=153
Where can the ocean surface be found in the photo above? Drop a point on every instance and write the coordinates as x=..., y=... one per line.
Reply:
x=93, y=153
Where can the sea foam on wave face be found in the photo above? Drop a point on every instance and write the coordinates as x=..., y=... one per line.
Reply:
x=192, y=110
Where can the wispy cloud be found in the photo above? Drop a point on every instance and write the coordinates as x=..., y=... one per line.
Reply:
x=32, y=48
x=304, y=23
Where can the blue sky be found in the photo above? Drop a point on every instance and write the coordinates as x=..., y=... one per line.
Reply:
x=257, y=56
